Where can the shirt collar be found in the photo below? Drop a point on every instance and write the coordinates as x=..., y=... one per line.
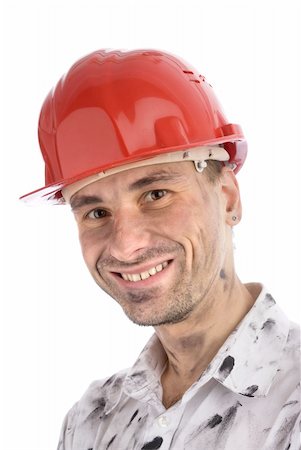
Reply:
x=143, y=379
x=249, y=360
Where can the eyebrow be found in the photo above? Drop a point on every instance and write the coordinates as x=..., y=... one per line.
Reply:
x=82, y=200
x=79, y=201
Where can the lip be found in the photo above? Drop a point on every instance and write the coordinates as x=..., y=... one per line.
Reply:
x=153, y=279
x=141, y=268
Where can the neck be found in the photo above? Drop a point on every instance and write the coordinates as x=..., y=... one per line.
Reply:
x=191, y=345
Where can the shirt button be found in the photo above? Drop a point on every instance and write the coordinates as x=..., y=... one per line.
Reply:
x=163, y=421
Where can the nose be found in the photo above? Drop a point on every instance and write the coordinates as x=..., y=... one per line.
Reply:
x=129, y=237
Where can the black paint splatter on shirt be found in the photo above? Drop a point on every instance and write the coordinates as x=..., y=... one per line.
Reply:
x=109, y=381
x=227, y=422
x=222, y=425
x=250, y=390
x=292, y=402
x=154, y=444
x=98, y=411
x=226, y=367
x=133, y=417
x=268, y=324
x=111, y=441
x=253, y=326
x=269, y=301
x=215, y=420
x=285, y=429
x=139, y=378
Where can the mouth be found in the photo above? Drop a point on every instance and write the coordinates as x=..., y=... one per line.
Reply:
x=139, y=276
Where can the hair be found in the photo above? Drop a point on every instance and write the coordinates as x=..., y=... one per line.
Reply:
x=213, y=170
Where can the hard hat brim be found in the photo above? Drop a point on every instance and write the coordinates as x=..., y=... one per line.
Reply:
x=52, y=194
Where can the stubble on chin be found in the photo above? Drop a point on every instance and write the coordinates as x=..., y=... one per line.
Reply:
x=154, y=308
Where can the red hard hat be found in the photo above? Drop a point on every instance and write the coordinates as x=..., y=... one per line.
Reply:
x=116, y=107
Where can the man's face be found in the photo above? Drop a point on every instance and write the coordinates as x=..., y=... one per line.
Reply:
x=155, y=238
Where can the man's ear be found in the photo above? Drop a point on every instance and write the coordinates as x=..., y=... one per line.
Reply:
x=231, y=196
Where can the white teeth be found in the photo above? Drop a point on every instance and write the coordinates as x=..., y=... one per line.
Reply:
x=136, y=277
x=159, y=268
x=144, y=275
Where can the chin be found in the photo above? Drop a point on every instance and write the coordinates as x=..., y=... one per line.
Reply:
x=152, y=320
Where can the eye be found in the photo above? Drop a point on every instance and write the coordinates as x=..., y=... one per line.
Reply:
x=97, y=213
x=154, y=195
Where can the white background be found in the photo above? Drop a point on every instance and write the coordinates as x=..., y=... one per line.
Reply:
x=59, y=331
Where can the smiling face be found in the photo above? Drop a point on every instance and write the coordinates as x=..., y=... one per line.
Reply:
x=157, y=238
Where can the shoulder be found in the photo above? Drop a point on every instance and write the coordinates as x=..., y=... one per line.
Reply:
x=97, y=401
x=101, y=395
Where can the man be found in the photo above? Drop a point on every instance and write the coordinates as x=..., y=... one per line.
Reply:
x=136, y=142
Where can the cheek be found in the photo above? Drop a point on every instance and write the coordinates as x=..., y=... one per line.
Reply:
x=183, y=225
x=175, y=223
x=201, y=230
x=92, y=246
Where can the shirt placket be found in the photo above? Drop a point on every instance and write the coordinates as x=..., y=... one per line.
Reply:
x=162, y=427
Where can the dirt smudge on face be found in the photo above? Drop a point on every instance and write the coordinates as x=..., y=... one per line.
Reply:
x=222, y=274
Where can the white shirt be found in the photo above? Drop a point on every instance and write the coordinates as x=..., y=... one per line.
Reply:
x=247, y=399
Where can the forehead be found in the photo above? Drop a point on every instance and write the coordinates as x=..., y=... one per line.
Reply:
x=140, y=177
